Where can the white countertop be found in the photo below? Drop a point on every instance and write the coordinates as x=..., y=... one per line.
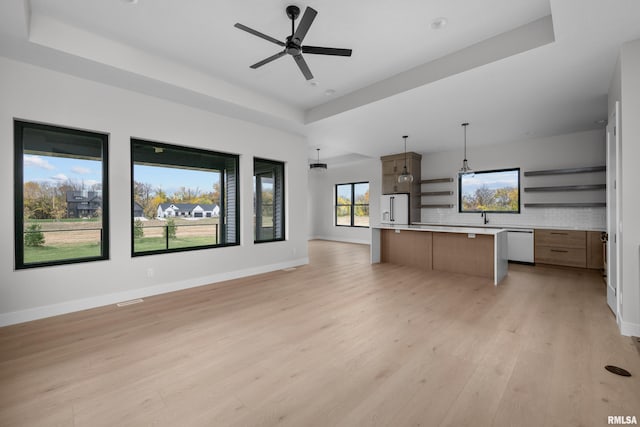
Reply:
x=441, y=229
x=514, y=227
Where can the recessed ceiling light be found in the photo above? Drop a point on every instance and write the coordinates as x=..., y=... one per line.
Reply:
x=313, y=83
x=130, y=1
x=439, y=23
x=329, y=92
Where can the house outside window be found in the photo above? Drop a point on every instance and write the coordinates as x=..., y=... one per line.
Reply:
x=268, y=200
x=352, y=204
x=61, y=195
x=183, y=198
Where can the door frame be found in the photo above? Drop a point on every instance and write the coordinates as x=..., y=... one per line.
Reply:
x=613, y=205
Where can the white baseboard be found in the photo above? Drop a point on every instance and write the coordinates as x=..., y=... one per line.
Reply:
x=29, y=314
x=342, y=239
x=629, y=329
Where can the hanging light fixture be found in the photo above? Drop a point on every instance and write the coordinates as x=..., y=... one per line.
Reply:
x=318, y=166
x=405, y=176
x=465, y=165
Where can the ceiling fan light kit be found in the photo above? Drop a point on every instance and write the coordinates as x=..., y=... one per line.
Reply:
x=293, y=45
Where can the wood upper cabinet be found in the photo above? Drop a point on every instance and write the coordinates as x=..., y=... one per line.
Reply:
x=392, y=167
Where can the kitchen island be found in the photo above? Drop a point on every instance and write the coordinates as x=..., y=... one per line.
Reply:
x=467, y=250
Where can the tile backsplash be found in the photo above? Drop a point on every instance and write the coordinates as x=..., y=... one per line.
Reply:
x=570, y=218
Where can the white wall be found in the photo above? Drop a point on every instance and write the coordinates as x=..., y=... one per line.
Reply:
x=626, y=89
x=322, y=200
x=564, y=151
x=41, y=95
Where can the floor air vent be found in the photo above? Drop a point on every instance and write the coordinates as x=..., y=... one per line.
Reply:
x=617, y=371
x=133, y=301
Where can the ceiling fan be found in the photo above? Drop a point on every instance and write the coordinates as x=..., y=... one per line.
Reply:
x=293, y=45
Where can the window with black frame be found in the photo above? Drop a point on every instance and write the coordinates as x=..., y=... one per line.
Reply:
x=352, y=204
x=61, y=195
x=183, y=198
x=268, y=200
x=496, y=191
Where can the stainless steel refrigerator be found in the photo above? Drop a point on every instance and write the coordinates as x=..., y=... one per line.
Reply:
x=394, y=209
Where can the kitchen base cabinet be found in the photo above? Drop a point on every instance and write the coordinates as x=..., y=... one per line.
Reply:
x=406, y=248
x=570, y=248
x=595, y=250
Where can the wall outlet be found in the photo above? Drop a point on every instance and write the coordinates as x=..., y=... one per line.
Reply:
x=150, y=272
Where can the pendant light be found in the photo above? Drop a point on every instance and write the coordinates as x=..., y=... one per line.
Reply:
x=318, y=166
x=465, y=165
x=405, y=176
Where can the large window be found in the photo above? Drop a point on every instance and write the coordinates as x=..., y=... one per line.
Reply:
x=183, y=198
x=268, y=200
x=61, y=195
x=352, y=204
x=490, y=191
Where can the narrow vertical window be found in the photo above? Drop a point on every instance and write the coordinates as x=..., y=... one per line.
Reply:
x=183, y=198
x=352, y=204
x=61, y=195
x=268, y=200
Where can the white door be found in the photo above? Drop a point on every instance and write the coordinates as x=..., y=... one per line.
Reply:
x=613, y=155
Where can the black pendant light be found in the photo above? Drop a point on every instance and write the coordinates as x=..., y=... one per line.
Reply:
x=318, y=166
x=465, y=165
x=405, y=176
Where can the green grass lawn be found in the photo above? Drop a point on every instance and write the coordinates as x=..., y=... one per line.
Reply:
x=60, y=252
x=146, y=244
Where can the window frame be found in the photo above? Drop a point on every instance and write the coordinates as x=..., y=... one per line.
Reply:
x=222, y=223
x=18, y=157
x=460, y=210
x=352, y=205
x=275, y=163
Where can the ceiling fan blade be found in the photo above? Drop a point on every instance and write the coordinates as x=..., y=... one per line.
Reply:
x=269, y=59
x=302, y=64
x=259, y=34
x=326, y=51
x=305, y=23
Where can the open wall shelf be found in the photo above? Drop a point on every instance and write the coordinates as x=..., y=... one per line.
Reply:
x=566, y=171
x=436, y=180
x=447, y=193
x=436, y=206
x=566, y=205
x=567, y=188
x=437, y=193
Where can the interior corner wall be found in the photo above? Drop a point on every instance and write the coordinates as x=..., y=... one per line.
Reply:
x=322, y=200
x=41, y=95
x=630, y=196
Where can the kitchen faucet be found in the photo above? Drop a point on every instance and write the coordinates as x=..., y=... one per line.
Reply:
x=483, y=214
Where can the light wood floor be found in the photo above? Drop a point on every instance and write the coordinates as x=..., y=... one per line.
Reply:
x=337, y=342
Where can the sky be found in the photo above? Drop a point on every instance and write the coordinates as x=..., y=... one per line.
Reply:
x=62, y=169
x=493, y=180
x=171, y=179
